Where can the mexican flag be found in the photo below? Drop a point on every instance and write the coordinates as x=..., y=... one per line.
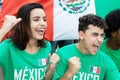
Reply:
x=62, y=15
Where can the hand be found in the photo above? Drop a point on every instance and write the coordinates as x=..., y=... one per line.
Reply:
x=9, y=22
x=54, y=58
x=74, y=65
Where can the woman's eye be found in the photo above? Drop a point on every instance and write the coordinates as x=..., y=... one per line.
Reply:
x=44, y=19
x=36, y=20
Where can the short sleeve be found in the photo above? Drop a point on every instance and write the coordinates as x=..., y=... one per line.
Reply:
x=112, y=72
x=4, y=51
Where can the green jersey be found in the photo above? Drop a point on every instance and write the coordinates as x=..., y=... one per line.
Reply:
x=19, y=65
x=93, y=67
x=114, y=54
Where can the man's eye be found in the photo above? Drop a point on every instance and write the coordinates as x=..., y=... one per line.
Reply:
x=95, y=34
x=102, y=35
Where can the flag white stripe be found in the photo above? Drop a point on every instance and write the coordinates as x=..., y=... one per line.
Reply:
x=65, y=24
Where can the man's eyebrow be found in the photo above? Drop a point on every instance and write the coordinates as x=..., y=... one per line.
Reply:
x=95, y=32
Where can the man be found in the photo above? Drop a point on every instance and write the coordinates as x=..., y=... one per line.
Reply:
x=111, y=46
x=83, y=60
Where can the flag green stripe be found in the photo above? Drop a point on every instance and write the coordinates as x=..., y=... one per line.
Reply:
x=105, y=6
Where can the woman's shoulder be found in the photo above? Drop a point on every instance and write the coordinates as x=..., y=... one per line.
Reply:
x=6, y=41
x=48, y=43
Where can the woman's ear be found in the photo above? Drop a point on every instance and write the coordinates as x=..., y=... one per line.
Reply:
x=81, y=35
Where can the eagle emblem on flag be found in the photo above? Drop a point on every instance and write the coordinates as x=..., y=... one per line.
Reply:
x=74, y=6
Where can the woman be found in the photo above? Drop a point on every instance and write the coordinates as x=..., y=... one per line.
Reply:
x=24, y=56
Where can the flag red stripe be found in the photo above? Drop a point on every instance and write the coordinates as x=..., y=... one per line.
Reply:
x=48, y=5
x=98, y=71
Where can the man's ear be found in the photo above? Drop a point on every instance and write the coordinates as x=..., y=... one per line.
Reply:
x=113, y=34
x=81, y=35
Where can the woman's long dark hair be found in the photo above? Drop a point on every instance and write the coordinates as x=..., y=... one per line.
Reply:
x=21, y=32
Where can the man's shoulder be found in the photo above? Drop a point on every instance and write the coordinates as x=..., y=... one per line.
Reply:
x=66, y=50
x=67, y=47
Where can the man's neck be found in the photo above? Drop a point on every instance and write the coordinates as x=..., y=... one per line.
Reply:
x=111, y=44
